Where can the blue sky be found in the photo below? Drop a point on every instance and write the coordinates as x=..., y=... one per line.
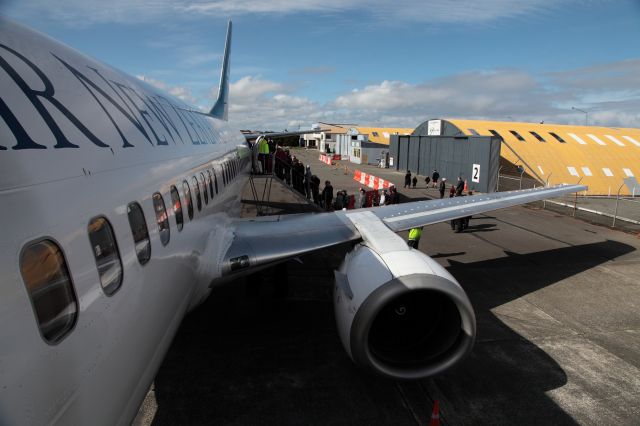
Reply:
x=380, y=62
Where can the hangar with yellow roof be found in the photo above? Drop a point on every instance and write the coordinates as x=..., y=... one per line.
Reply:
x=600, y=157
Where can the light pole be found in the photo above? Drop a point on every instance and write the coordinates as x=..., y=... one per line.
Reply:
x=586, y=115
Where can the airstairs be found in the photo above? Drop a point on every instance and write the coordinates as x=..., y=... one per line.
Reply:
x=267, y=171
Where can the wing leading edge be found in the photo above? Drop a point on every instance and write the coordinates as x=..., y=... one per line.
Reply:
x=268, y=240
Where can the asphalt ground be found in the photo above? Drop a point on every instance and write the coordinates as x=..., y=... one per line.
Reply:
x=557, y=302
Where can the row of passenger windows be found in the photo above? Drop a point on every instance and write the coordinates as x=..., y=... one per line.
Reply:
x=44, y=268
x=557, y=137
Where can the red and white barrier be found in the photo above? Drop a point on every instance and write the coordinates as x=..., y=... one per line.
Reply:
x=371, y=181
x=325, y=159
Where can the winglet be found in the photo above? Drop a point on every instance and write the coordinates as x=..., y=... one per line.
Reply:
x=221, y=107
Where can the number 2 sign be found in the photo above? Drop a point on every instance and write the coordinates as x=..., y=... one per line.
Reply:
x=475, y=173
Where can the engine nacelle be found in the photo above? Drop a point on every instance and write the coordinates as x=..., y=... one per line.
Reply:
x=401, y=314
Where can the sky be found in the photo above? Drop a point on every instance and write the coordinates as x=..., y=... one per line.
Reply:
x=386, y=63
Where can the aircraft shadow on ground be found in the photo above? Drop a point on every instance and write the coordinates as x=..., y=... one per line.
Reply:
x=247, y=357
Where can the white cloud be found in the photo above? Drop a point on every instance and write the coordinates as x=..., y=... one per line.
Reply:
x=86, y=12
x=179, y=92
x=503, y=94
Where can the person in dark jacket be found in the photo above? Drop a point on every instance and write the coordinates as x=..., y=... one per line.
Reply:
x=407, y=179
x=414, y=181
x=327, y=195
x=362, y=198
x=315, y=189
x=434, y=177
x=459, y=186
x=441, y=187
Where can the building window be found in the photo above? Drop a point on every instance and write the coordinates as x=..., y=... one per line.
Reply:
x=628, y=172
x=105, y=251
x=224, y=174
x=161, y=218
x=204, y=188
x=607, y=172
x=177, y=207
x=46, y=276
x=614, y=140
x=572, y=171
x=517, y=135
x=375, y=134
x=586, y=171
x=537, y=136
x=210, y=183
x=187, y=198
x=140, y=232
x=577, y=138
x=215, y=180
x=473, y=132
x=496, y=134
x=558, y=138
x=596, y=139
x=196, y=188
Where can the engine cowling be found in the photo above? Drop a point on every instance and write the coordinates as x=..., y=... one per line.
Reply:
x=401, y=314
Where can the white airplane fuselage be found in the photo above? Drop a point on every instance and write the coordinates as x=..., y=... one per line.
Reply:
x=80, y=140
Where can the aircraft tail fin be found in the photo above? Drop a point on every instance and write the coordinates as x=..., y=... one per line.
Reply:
x=221, y=108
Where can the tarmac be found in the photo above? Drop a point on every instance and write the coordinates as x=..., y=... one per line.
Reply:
x=557, y=301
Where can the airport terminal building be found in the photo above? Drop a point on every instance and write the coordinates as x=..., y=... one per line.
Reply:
x=600, y=157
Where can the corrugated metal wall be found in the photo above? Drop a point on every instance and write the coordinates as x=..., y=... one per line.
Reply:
x=451, y=156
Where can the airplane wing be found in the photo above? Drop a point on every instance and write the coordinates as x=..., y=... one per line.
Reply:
x=276, y=135
x=268, y=240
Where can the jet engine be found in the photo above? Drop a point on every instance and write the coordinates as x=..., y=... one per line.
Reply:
x=401, y=314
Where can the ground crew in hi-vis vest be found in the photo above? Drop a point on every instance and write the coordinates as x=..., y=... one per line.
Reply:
x=414, y=237
x=263, y=154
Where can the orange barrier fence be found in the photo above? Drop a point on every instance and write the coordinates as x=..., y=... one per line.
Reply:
x=371, y=181
x=325, y=159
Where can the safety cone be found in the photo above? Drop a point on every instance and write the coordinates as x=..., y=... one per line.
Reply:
x=466, y=188
x=435, y=414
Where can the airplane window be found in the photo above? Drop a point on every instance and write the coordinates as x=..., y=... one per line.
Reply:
x=215, y=180
x=196, y=188
x=46, y=276
x=209, y=182
x=161, y=218
x=558, y=138
x=537, y=136
x=517, y=135
x=177, y=207
x=494, y=133
x=140, y=233
x=187, y=198
x=204, y=188
x=106, y=254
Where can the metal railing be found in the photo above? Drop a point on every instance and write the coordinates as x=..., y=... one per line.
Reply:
x=613, y=210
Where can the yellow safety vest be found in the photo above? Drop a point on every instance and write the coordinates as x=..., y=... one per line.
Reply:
x=264, y=147
x=414, y=234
